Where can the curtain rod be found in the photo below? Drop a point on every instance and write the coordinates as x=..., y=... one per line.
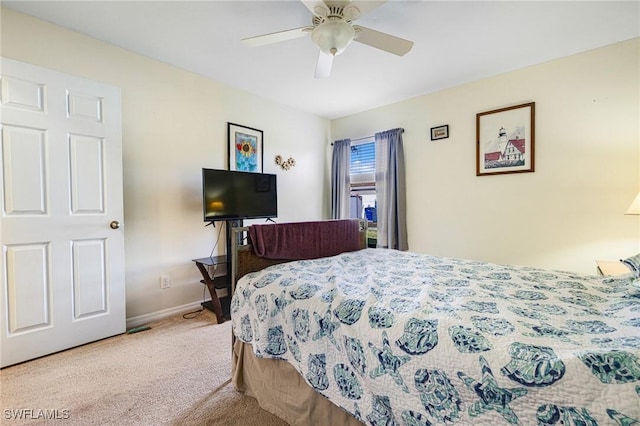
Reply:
x=365, y=137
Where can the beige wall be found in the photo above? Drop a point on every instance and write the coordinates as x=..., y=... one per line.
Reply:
x=174, y=123
x=566, y=214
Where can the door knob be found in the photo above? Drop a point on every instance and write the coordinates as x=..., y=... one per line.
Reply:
x=114, y=224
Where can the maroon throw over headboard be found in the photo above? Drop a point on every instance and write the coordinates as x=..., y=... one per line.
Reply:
x=305, y=240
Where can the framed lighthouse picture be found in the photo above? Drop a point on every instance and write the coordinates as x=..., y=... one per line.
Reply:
x=505, y=140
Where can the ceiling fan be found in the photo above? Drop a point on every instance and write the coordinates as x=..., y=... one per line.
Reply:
x=332, y=30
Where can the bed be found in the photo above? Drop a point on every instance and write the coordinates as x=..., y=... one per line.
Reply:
x=384, y=337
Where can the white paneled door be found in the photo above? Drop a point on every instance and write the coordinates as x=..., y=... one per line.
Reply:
x=62, y=260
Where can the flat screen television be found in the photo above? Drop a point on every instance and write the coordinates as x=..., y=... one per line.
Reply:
x=233, y=195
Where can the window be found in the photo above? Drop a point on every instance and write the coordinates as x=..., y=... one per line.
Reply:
x=363, y=180
x=363, y=158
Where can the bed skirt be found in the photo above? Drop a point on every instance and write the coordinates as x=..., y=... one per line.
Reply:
x=280, y=389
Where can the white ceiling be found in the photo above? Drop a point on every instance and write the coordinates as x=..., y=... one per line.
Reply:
x=455, y=42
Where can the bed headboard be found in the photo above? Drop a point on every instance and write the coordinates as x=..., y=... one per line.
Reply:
x=244, y=260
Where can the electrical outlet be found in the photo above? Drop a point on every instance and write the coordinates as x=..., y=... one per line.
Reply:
x=165, y=281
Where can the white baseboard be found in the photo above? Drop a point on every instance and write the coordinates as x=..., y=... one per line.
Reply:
x=164, y=313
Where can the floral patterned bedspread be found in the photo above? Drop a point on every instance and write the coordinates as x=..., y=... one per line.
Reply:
x=399, y=338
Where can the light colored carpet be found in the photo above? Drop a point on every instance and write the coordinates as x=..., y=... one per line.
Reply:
x=177, y=373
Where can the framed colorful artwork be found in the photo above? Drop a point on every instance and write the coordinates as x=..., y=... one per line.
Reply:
x=245, y=148
x=505, y=140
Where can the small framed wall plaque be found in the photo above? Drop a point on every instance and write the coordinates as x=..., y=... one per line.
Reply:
x=440, y=132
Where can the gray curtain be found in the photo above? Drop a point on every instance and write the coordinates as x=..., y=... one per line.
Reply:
x=391, y=190
x=340, y=179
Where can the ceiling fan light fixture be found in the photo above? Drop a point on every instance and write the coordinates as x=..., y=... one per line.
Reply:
x=333, y=36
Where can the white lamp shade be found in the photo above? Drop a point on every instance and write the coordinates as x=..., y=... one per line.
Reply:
x=333, y=36
x=634, y=208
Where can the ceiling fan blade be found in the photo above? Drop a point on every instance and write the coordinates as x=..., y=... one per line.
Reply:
x=387, y=42
x=261, y=40
x=323, y=66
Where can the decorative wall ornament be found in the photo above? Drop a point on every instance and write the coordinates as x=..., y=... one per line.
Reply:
x=285, y=164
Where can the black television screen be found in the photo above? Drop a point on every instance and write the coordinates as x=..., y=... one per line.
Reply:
x=230, y=195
